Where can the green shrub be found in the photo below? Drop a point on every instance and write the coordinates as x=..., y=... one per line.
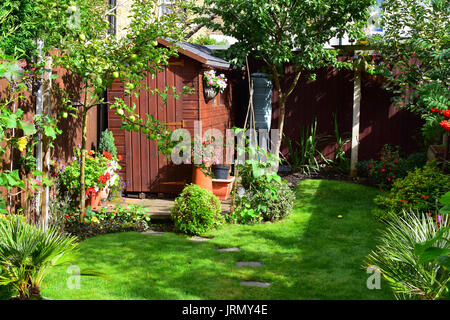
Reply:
x=196, y=211
x=107, y=143
x=265, y=199
x=420, y=190
x=415, y=160
x=396, y=258
x=387, y=168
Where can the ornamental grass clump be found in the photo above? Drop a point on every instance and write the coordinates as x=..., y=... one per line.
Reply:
x=196, y=211
x=409, y=275
x=27, y=254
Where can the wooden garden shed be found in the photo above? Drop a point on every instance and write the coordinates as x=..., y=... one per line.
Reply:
x=143, y=169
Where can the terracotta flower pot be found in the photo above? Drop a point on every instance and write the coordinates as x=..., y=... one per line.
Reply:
x=222, y=187
x=94, y=201
x=201, y=179
x=104, y=193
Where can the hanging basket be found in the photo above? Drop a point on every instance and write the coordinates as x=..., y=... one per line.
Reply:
x=209, y=91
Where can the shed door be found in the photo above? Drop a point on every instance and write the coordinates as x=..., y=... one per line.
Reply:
x=147, y=170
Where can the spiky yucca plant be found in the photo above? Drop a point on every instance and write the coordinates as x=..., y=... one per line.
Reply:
x=400, y=266
x=27, y=253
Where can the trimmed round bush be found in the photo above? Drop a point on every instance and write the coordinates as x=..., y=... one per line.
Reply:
x=196, y=211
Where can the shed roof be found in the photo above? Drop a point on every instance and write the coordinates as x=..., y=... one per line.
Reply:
x=199, y=53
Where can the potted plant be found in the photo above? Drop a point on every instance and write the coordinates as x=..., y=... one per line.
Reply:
x=220, y=171
x=213, y=84
x=203, y=158
x=101, y=174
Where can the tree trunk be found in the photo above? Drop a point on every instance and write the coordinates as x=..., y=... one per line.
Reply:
x=282, y=98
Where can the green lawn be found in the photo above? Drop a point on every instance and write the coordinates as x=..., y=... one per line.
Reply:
x=310, y=255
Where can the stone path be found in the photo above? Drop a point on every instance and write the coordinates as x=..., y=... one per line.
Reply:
x=256, y=284
x=199, y=239
x=249, y=264
x=228, y=249
x=152, y=232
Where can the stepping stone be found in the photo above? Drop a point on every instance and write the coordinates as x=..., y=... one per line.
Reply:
x=256, y=284
x=199, y=239
x=155, y=233
x=249, y=264
x=228, y=249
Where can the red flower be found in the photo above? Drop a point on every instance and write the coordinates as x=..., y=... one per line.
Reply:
x=424, y=197
x=90, y=192
x=119, y=157
x=90, y=152
x=446, y=113
x=107, y=155
x=413, y=54
x=404, y=201
x=445, y=124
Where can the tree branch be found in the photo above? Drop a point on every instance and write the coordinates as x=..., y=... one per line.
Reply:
x=199, y=26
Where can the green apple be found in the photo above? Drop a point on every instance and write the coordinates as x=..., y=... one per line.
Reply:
x=153, y=136
x=157, y=60
x=65, y=114
x=129, y=86
x=154, y=43
x=136, y=128
x=120, y=112
x=82, y=37
x=132, y=118
x=145, y=130
x=115, y=75
x=99, y=81
x=133, y=57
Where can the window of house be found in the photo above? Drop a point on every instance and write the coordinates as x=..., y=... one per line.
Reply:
x=165, y=7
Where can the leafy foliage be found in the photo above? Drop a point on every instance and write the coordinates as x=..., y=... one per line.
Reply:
x=20, y=133
x=196, y=211
x=401, y=261
x=281, y=32
x=415, y=50
x=420, y=190
x=305, y=152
